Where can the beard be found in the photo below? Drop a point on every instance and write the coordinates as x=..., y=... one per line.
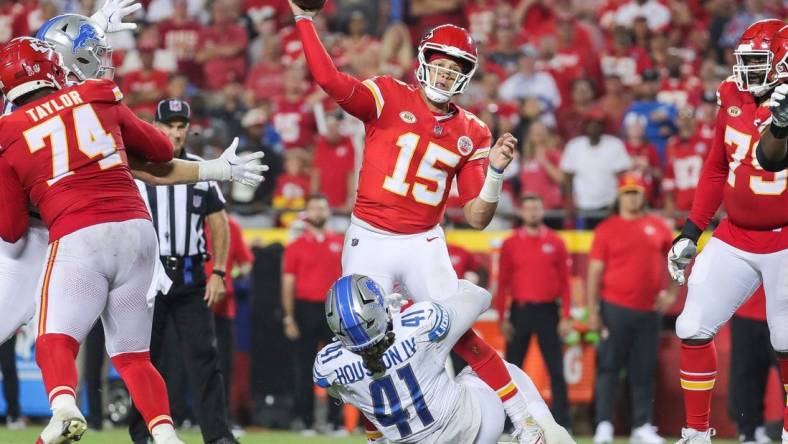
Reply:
x=317, y=223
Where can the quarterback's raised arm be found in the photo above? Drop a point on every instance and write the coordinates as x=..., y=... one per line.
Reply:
x=480, y=210
x=349, y=92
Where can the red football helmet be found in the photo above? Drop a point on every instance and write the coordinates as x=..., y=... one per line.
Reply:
x=754, y=57
x=779, y=50
x=28, y=64
x=455, y=43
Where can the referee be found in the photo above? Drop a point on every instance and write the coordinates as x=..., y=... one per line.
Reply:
x=179, y=214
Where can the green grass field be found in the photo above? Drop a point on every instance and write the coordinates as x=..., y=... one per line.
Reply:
x=120, y=436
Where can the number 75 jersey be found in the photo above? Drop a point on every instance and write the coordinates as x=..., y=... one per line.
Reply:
x=411, y=158
x=756, y=200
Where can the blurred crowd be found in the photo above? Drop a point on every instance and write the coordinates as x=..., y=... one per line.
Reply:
x=636, y=78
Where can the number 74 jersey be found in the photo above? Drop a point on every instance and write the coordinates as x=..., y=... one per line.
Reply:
x=411, y=158
x=756, y=201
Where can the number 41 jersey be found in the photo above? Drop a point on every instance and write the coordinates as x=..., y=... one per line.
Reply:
x=66, y=152
x=415, y=401
x=756, y=201
x=411, y=156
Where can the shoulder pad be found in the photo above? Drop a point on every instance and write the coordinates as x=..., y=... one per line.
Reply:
x=100, y=90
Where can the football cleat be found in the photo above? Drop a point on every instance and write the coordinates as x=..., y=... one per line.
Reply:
x=528, y=432
x=692, y=436
x=60, y=431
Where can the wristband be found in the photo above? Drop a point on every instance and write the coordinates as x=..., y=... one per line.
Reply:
x=690, y=231
x=219, y=273
x=288, y=319
x=216, y=169
x=493, y=182
x=779, y=132
x=496, y=169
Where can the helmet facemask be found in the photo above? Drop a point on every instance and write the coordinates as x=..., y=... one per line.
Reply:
x=428, y=73
x=751, y=70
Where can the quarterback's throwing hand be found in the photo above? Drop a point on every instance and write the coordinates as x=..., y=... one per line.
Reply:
x=110, y=16
x=503, y=152
x=778, y=105
x=245, y=169
x=679, y=257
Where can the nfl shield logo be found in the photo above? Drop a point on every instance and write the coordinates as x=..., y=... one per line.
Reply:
x=175, y=105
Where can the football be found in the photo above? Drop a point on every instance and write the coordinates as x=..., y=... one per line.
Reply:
x=310, y=5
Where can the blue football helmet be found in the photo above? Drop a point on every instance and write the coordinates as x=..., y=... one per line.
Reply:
x=86, y=52
x=356, y=312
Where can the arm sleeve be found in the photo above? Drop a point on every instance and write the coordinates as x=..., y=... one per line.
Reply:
x=13, y=219
x=471, y=177
x=143, y=139
x=563, y=264
x=708, y=195
x=504, y=280
x=350, y=93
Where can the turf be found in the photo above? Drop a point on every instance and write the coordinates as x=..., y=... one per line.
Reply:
x=120, y=436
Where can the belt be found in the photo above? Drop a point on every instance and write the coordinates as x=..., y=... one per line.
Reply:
x=176, y=262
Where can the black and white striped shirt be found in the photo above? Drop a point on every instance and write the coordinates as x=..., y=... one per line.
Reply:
x=178, y=213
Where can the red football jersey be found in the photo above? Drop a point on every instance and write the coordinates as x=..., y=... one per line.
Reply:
x=756, y=200
x=68, y=152
x=295, y=123
x=683, y=163
x=411, y=158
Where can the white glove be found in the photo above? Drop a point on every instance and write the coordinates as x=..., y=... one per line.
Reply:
x=245, y=169
x=109, y=17
x=679, y=257
x=778, y=105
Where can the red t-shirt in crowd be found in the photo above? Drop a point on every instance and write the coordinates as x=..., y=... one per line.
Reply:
x=139, y=81
x=633, y=252
x=683, y=164
x=219, y=71
x=316, y=262
x=334, y=161
x=294, y=122
x=182, y=40
x=534, y=269
x=238, y=254
x=265, y=80
x=291, y=191
x=535, y=180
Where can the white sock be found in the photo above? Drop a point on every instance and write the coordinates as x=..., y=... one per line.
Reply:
x=64, y=404
x=535, y=404
x=163, y=432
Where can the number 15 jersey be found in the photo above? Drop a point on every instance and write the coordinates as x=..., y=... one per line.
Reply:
x=411, y=157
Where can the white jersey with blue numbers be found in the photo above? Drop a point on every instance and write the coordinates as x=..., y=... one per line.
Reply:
x=415, y=400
